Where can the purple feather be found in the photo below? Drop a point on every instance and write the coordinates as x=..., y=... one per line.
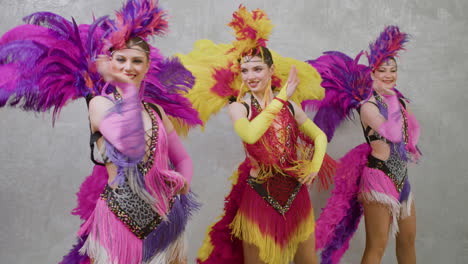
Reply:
x=164, y=85
x=168, y=231
x=405, y=192
x=74, y=256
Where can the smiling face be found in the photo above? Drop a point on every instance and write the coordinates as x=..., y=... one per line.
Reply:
x=133, y=62
x=386, y=73
x=255, y=73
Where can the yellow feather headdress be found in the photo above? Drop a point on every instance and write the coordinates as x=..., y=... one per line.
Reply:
x=217, y=71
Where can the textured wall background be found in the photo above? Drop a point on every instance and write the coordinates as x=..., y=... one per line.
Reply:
x=41, y=167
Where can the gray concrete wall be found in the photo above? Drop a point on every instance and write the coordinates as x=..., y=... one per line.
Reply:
x=41, y=167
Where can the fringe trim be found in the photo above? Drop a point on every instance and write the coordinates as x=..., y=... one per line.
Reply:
x=175, y=253
x=109, y=240
x=269, y=250
x=405, y=210
x=97, y=253
x=393, y=205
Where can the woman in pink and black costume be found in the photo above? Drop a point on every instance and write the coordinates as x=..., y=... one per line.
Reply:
x=135, y=205
x=372, y=179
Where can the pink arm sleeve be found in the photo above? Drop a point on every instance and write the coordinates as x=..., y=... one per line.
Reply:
x=392, y=128
x=123, y=125
x=179, y=156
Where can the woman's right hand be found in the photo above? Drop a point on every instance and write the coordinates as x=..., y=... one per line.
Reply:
x=292, y=82
x=382, y=88
x=108, y=72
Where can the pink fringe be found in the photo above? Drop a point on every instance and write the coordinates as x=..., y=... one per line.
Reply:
x=162, y=182
x=378, y=181
x=109, y=240
x=376, y=186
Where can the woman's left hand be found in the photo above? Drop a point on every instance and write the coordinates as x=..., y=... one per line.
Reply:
x=308, y=180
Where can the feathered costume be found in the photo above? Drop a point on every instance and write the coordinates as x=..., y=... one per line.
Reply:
x=272, y=211
x=50, y=61
x=360, y=176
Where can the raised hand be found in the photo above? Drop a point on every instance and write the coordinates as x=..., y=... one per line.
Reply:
x=108, y=72
x=292, y=82
x=382, y=87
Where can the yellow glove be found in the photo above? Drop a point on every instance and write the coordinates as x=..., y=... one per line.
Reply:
x=320, y=143
x=251, y=131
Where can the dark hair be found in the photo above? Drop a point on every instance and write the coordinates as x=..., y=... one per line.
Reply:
x=261, y=52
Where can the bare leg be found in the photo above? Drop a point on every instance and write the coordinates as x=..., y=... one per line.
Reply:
x=251, y=254
x=378, y=219
x=180, y=262
x=405, y=240
x=306, y=252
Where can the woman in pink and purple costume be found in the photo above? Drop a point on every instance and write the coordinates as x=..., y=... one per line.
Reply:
x=136, y=204
x=372, y=178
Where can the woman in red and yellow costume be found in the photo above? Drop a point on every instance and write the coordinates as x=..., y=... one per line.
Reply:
x=268, y=215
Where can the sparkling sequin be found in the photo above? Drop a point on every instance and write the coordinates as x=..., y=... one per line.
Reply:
x=145, y=166
x=292, y=188
x=135, y=213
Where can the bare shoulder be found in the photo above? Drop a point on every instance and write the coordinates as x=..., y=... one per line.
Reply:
x=369, y=106
x=99, y=106
x=237, y=107
x=299, y=114
x=165, y=119
x=99, y=103
x=237, y=110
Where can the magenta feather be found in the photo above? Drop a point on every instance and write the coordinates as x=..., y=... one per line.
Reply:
x=89, y=192
x=340, y=218
x=50, y=64
x=347, y=83
x=386, y=46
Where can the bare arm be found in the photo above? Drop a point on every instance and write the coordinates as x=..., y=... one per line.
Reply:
x=370, y=116
x=177, y=153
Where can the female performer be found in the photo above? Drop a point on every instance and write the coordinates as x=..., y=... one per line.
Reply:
x=268, y=216
x=372, y=178
x=135, y=204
